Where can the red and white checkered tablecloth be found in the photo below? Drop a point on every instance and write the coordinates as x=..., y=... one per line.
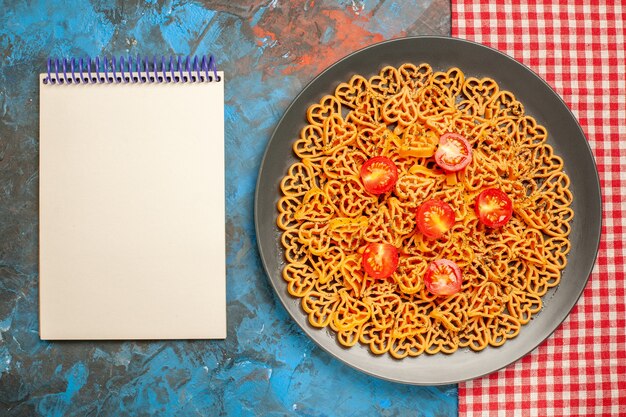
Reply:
x=577, y=47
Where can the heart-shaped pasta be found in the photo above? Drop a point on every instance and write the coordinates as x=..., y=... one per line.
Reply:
x=354, y=92
x=386, y=83
x=328, y=217
x=400, y=109
x=311, y=143
x=328, y=107
x=415, y=76
x=337, y=133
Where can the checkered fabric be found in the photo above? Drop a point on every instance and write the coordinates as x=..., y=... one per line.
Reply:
x=577, y=47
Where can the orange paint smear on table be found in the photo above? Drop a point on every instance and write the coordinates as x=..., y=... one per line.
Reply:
x=262, y=34
x=348, y=37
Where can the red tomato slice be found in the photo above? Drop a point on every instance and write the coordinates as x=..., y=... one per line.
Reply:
x=379, y=175
x=493, y=207
x=380, y=260
x=434, y=218
x=443, y=277
x=454, y=152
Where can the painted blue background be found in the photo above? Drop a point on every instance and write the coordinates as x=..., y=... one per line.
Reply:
x=266, y=366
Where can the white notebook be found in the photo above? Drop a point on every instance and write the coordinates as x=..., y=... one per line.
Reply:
x=131, y=204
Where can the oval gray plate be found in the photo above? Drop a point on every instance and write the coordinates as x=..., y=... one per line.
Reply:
x=565, y=135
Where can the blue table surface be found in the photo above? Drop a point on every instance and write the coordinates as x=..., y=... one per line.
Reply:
x=267, y=366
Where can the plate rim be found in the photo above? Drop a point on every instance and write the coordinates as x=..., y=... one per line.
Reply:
x=309, y=332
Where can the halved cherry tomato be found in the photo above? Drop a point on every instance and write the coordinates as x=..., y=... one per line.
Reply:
x=434, y=218
x=380, y=260
x=443, y=277
x=493, y=207
x=379, y=175
x=454, y=152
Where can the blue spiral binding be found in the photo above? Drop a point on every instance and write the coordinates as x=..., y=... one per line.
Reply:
x=111, y=71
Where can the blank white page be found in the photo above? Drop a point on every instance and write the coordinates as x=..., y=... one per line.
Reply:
x=131, y=211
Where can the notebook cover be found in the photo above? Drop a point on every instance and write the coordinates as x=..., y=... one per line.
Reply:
x=132, y=241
